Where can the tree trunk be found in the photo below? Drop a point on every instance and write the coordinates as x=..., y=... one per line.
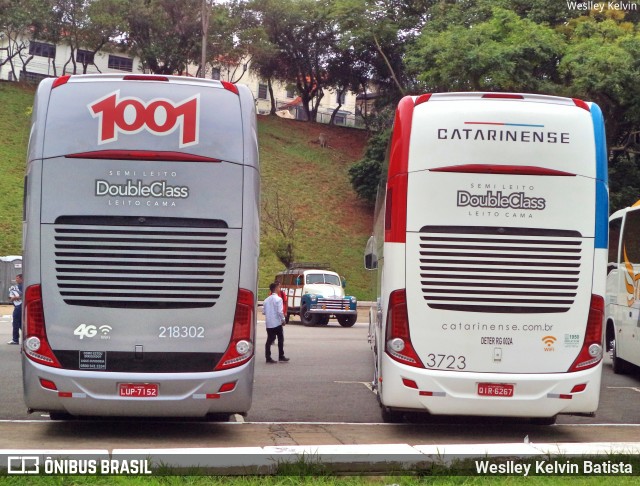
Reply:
x=341, y=92
x=391, y=71
x=273, y=99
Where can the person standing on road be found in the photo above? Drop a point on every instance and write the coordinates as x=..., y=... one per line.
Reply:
x=274, y=318
x=15, y=296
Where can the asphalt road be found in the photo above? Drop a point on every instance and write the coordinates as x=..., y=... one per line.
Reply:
x=327, y=381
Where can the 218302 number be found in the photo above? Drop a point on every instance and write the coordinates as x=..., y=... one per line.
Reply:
x=194, y=332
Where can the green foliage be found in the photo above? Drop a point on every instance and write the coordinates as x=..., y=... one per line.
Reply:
x=601, y=64
x=503, y=52
x=537, y=46
x=164, y=34
x=624, y=182
x=365, y=174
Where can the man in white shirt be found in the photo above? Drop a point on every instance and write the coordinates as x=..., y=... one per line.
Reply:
x=15, y=296
x=274, y=318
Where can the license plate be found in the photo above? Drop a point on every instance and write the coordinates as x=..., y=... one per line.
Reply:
x=138, y=390
x=495, y=389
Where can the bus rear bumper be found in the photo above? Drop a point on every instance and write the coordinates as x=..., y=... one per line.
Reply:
x=457, y=393
x=96, y=393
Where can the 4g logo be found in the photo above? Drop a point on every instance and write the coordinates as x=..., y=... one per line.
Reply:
x=159, y=116
x=89, y=331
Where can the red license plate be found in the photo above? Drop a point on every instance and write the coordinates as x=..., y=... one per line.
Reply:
x=495, y=389
x=138, y=390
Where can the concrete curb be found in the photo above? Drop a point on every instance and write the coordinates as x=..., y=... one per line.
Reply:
x=377, y=458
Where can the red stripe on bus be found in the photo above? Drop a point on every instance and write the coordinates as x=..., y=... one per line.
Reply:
x=503, y=169
x=141, y=155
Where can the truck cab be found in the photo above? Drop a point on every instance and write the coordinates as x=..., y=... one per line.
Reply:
x=316, y=294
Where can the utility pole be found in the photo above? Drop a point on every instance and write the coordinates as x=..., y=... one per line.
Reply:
x=205, y=33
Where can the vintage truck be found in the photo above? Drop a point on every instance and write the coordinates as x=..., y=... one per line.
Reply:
x=316, y=294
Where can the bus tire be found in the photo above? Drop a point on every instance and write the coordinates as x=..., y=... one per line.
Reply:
x=610, y=337
x=307, y=318
x=619, y=366
x=544, y=420
x=61, y=416
x=217, y=417
x=347, y=321
x=390, y=416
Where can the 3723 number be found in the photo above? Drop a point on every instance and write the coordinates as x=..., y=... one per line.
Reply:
x=446, y=361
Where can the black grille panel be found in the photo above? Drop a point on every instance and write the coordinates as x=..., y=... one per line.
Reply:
x=493, y=270
x=140, y=267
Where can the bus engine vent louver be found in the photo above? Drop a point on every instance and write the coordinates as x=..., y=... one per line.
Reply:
x=504, y=270
x=140, y=267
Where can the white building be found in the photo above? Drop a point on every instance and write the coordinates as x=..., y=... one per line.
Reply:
x=54, y=60
x=289, y=104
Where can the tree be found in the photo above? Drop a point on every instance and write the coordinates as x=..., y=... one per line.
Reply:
x=233, y=39
x=278, y=216
x=365, y=174
x=379, y=31
x=84, y=24
x=347, y=72
x=18, y=19
x=601, y=64
x=164, y=34
x=503, y=52
x=303, y=34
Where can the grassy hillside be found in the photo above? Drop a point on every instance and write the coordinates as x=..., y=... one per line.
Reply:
x=332, y=225
x=15, y=107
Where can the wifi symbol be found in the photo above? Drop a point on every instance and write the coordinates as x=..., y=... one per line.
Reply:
x=549, y=340
x=105, y=329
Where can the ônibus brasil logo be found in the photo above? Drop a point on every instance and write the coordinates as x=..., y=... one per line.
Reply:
x=159, y=116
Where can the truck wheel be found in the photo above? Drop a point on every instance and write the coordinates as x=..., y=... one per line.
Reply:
x=307, y=318
x=347, y=321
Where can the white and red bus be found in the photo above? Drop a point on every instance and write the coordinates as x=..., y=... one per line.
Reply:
x=490, y=244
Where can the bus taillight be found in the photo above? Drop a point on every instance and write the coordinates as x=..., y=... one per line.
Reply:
x=395, y=218
x=240, y=349
x=399, y=345
x=591, y=352
x=36, y=346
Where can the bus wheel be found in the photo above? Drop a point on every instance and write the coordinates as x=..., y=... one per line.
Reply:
x=544, y=420
x=61, y=416
x=217, y=417
x=620, y=366
x=390, y=416
x=347, y=321
x=307, y=318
